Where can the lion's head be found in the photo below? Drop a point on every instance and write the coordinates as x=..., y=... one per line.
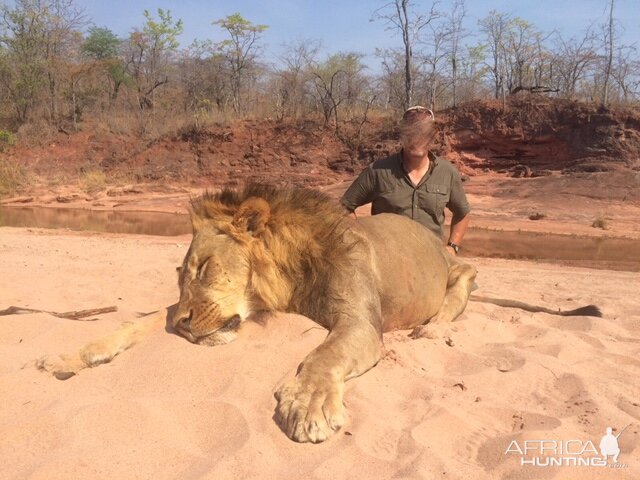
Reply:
x=256, y=249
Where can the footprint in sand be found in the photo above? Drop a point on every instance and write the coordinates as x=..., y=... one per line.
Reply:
x=576, y=399
x=503, y=359
x=523, y=421
x=577, y=324
x=214, y=429
x=630, y=407
x=488, y=446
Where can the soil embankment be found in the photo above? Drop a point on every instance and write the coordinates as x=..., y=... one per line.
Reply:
x=538, y=164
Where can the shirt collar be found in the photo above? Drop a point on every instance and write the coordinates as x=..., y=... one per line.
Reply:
x=433, y=158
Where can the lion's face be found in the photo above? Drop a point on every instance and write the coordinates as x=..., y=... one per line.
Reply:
x=213, y=283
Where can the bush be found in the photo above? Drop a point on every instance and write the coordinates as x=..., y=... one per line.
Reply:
x=6, y=140
x=94, y=181
x=600, y=222
x=12, y=177
x=36, y=133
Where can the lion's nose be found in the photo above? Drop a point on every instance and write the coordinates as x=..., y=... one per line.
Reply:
x=183, y=320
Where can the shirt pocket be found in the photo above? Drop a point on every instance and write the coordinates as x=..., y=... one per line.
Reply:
x=394, y=200
x=434, y=198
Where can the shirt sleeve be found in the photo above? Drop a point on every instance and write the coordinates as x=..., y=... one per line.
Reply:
x=361, y=190
x=458, y=202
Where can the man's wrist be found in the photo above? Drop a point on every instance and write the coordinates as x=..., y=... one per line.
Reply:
x=456, y=247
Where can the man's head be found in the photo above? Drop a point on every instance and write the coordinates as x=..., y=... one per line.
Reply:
x=609, y=431
x=417, y=130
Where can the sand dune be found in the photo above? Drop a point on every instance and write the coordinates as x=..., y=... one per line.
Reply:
x=443, y=408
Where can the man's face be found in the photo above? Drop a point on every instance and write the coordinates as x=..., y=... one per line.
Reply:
x=416, y=144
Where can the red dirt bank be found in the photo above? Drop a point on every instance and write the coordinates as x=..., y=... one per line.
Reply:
x=524, y=161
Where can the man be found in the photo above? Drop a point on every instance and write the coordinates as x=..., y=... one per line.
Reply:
x=414, y=182
x=609, y=445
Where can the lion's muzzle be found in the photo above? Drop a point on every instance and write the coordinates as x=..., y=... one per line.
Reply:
x=203, y=329
x=182, y=323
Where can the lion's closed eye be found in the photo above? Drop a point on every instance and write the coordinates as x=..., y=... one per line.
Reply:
x=202, y=268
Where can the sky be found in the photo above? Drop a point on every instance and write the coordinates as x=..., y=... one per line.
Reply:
x=345, y=25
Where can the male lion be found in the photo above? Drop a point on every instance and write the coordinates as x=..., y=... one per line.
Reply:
x=294, y=250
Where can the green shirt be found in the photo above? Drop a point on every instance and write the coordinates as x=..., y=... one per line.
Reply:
x=387, y=186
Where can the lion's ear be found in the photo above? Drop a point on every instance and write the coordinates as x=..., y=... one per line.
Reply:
x=252, y=216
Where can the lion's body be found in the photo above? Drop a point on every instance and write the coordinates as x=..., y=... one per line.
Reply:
x=298, y=252
x=409, y=266
x=295, y=250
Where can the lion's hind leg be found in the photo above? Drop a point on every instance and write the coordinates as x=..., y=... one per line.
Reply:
x=100, y=351
x=460, y=282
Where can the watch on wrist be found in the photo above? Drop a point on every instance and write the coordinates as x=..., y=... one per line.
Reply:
x=456, y=248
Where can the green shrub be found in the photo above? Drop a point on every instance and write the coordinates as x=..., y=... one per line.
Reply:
x=6, y=140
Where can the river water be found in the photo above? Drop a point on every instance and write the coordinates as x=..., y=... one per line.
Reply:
x=591, y=252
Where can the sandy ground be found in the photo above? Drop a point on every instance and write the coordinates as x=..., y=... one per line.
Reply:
x=432, y=408
x=445, y=408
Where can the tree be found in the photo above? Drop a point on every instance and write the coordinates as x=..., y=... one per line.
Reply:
x=400, y=16
x=205, y=75
x=456, y=34
x=392, y=78
x=572, y=59
x=293, y=80
x=339, y=83
x=23, y=66
x=472, y=70
x=103, y=46
x=495, y=27
x=39, y=36
x=626, y=73
x=149, y=55
x=609, y=52
x=100, y=44
x=435, y=58
x=240, y=50
x=522, y=51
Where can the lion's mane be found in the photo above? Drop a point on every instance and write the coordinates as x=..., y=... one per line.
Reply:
x=295, y=241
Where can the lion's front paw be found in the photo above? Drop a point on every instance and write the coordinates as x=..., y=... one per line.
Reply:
x=433, y=330
x=309, y=411
x=60, y=366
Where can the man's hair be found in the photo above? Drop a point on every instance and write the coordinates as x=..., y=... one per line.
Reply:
x=417, y=112
x=417, y=121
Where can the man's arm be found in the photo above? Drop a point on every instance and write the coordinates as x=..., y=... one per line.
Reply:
x=459, y=206
x=458, y=228
x=360, y=192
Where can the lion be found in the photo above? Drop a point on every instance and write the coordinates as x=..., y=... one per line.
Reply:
x=295, y=250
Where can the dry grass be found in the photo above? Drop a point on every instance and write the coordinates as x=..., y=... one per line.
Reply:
x=12, y=177
x=36, y=134
x=601, y=222
x=93, y=181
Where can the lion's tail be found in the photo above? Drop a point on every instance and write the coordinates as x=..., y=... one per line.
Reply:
x=587, y=311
